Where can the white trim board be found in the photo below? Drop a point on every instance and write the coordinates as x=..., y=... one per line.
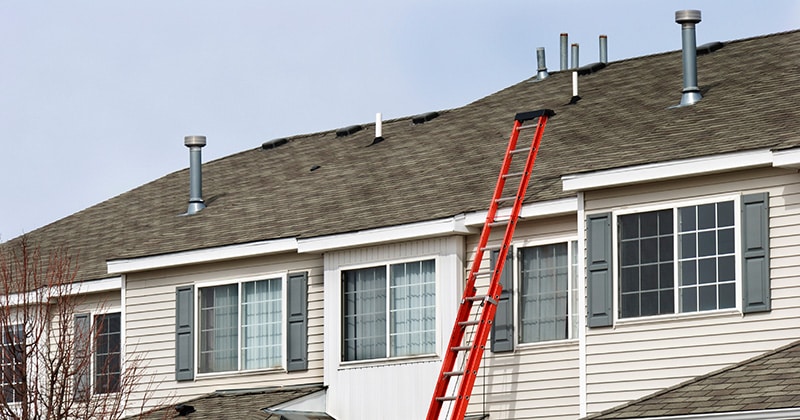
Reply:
x=529, y=211
x=669, y=170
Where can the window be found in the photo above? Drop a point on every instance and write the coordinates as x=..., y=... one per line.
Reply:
x=389, y=311
x=241, y=326
x=704, y=244
x=547, y=292
x=251, y=324
x=107, y=353
x=12, y=345
x=683, y=258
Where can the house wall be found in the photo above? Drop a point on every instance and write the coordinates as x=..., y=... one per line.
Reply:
x=391, y=388
x=635, y=358
x=150, y=326
x=535, y=380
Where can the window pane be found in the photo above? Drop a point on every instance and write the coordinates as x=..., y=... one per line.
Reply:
x=688, y=246
x=707, y=270
x=543, y=293
x=706, y=244
x=706, y=216
x=727, y=295
x=261, y=324
x=725, y=214
x=219, y=312
x=364, y=309
x=688, y=272
x=413, y=309
x=630, y=252
x=649, y=303
x=708, y=297
x=649, y=279
x=689, y=299
x=107, y=352
x=629, y=227
x=725, y=241
x=630, y=279
x=687, y=219
x=648, y=224
x=727, y=269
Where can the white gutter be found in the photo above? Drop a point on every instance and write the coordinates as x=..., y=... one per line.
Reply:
x=202, y=256
x=448, y=226
x=85, y=287
x=669, y=170
x=779, y=414
x=789, y=158
x=529, y=211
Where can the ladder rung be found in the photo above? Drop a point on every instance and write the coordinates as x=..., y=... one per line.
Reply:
x=499, y=223
x=492, y=248
x=446, y=398
x=484, y=298
x=470, y=322
x=454, y=373
x=526, y=126
x=504, y=199
x=513, y=174
x=461, y=348
x=483, y=273
x=515, y=151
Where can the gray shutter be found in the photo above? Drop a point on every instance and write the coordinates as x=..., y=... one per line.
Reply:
x=82, y=361
x=297, y=322
x=184, y=333
x=599, y=268
x=503, y=326
x=755, y=253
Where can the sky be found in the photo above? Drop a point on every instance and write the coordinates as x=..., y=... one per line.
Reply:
x=96, y=97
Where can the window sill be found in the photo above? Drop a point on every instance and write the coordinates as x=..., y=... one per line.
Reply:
x=722, y=313
x=214, y=375
x=389, y=361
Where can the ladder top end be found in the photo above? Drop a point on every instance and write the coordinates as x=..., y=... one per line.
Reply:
x=525, y=116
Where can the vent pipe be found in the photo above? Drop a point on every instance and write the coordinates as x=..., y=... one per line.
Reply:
x=541, y=71
x=378, y=129
x=575, y=61
x=564, y=54
x=604, y=49
x=195, y=143
x=688, y=19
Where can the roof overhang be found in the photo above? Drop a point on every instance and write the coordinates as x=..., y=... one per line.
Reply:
x=529, y=211
x=777, y=414
x=672, y=169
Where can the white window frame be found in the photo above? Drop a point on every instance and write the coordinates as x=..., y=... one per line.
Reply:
x=22, y=327
x=92, y=344
x=674, y=205
x=572, y=299
x=239, y=280
x=386, y=264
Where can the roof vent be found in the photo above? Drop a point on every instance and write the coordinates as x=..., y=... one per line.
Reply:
x=348, y=130
x=575, y=60
x=541, y=64
x=590, y=68
x=271, y=144
x=423, y=118
x=688, y=19
x=378, y=129
x=564, y=40
x=604, y=49
x=195, y=143
x=708, y=48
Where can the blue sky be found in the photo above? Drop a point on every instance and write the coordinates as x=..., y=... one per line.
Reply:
x=96, y=97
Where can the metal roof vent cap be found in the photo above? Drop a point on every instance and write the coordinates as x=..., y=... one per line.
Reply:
x=541, y=64
x=688, y=19
x=195, y=143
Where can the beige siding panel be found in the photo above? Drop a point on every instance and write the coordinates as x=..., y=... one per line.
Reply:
x=634, y=359
x=150, y=324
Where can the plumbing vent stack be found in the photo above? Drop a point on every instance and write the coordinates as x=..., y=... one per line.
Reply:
x=604, y=49
x=541, y=71
x=575, y=61
x=574, y=84
x=195, y=143
x=688, y=19
x=564, y=54
x=378, y=125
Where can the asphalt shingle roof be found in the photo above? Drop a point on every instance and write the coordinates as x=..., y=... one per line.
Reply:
x=767, y=382
x=449, y=165
x=240, y=405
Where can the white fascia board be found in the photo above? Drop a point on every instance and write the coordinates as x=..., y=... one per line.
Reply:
x=428, y=229
x=85, y=287
x=667, y=170
x=202, y=256
x=528, y=211
x=778, y=414
x=789, y=158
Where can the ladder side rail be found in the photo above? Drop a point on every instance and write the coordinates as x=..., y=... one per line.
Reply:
x=487, y=317
x=465, y=307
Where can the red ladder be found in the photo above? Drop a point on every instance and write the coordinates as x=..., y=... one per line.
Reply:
x=472, y=351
